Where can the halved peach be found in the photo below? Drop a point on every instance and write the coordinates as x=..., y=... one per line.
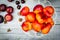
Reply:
x=30, y=17
x=26, y=26
x=36, y=26
x=38, y=9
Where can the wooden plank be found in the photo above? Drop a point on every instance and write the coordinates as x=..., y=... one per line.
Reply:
x=55, y=3
x=54, y=33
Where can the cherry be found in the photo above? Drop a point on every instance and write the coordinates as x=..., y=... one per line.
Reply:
x=10, y=0
x=22, y=1
x=18, y=6
x=17, y=2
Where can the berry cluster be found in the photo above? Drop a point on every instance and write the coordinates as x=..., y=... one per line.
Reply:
x=39, y=20
x=18, y=2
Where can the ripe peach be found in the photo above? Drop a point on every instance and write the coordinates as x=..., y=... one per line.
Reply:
x=46, y=28
x=30, y=17
x=49, y=20
x=26, y=26
x=38, y=9
x=25, y=10
x=39, y=18
x=36, y=26
x=48, y=11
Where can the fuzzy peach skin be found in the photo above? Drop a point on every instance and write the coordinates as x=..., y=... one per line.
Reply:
x=26, y=26
x=47, y=26
x=36, y=26
x=48, y=11
x=46, y=29
x=49, y=20
x=24, y=11
x=39, y=18
x=38, y=9
x=30, y=17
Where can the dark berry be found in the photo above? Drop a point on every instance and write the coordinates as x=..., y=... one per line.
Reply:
x=3, y=7
x=10, y=0
x=1, y=19
x=17, y=2
x=18, y=6
x=22, y=1
x=10, y=9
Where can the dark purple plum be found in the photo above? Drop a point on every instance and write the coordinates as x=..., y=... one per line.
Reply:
x=1, y=19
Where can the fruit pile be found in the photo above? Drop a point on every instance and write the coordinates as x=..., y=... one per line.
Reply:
x=39, y=20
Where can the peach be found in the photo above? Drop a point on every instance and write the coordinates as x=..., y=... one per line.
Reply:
x=38, y=9
x=36, y=26
x=46, y=28
x=47, y=25
x=24, y=11
x=26, y=26
x=48, y=11
x=39, y=18
x=49, y=20
x=30, y=17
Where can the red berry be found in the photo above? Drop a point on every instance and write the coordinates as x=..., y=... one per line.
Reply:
x=17, y=2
